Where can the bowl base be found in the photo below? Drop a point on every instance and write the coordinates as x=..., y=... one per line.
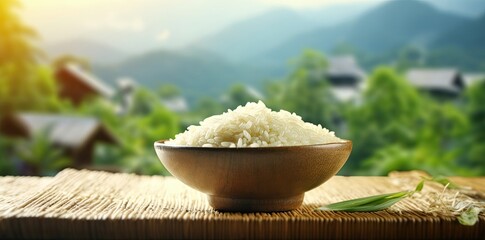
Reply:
x=255, y=205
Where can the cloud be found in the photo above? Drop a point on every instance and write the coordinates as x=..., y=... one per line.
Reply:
x=163, y=35
x=115, y=22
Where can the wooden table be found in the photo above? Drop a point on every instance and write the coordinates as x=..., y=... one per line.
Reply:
x=90, y=204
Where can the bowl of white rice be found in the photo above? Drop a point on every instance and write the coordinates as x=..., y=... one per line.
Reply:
x=253, y=159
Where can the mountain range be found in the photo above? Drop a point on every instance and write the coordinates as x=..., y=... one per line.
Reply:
x=250, y=37
x=469, y=37
x=196, y=72
x=384, y=28
x=470, y=8
x=258, y=48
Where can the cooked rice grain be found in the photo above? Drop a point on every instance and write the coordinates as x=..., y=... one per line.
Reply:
x=254, y=125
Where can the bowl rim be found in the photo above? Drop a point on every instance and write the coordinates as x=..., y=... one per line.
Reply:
x=160, y=144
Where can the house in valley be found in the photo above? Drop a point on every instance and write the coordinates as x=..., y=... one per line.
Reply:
x=346, y=77
x=76, y=137
x=176, y=104
x=76, y=84
x=443, y=83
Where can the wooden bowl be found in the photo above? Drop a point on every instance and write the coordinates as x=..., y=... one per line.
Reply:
x=264, y=179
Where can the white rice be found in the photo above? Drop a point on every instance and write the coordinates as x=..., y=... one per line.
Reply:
x=254, y=125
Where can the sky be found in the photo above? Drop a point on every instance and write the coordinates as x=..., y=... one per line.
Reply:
x=135, y=26
x=311, y=3
x=164, y=23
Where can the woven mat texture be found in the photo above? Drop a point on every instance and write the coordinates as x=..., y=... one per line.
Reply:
x=92, y=204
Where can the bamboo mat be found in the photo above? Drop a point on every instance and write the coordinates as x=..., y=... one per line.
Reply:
x=91, y=204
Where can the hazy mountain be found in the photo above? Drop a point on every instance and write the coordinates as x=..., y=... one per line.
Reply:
x=336, y=14
x=469, y=36
x=461, y=47
x=197, y=73
x=255, y=35
x=252, y=36
x=383, y=28
x=470, y=8
x=93, y=51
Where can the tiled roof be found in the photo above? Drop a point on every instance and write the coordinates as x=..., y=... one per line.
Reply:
x=345, y=66
x=89, y=79
x=67, y=131
x=436, y=79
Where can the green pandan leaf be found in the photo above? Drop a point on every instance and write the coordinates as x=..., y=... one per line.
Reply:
x=367, y=204
x=445, y=181
x=419, y=187
x=384, y=201
x=383, y=205
x=372, y=203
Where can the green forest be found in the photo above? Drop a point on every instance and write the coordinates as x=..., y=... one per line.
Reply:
x=394, y=126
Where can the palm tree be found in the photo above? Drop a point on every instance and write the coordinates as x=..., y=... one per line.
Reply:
x=16, y=41
x=40, y=156
x=18, y=59
x=6, y=163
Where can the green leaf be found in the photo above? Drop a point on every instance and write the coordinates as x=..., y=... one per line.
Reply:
x=358, y=201
x=419, y=187
x=469, y=217
x=372, y=203
x=445, y=181
x=374, y=207
x=367, y=204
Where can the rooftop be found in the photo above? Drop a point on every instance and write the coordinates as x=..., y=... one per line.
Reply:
x=345, y=66
x=444, y=79
x=68, y=131
x=96, y=84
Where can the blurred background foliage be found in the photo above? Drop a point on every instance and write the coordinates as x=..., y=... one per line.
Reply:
x=394, y=126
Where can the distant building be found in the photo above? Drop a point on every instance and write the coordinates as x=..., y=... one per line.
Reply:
x=76, y=136
x=126, y=89
x=346, y=77
x=442, y=83
x=176, y=104
x=344, y=71
x=77, y=84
